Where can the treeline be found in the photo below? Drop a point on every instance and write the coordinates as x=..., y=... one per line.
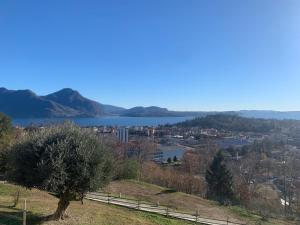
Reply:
x=236, y=123
x=182, y=182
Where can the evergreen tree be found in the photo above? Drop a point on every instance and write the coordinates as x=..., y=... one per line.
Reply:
x=175, y=159
x=169, y=160
x=219, y=180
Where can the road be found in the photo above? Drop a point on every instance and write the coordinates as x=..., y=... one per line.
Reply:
x=147, y=207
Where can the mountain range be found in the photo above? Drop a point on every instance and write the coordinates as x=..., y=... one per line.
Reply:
x=64, y=103
x=68, y=103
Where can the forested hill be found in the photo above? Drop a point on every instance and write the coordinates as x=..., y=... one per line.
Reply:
x=237, y=123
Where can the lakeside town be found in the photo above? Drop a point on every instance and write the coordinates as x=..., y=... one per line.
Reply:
x=173, y=141
x=149, y=112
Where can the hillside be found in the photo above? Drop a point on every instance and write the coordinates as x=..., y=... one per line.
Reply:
x=41, y=204
x=74, y=100
x=270, y=114
x=187, y=203
x=232, y=123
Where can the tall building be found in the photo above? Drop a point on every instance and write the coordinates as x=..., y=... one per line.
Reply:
x=123, y=134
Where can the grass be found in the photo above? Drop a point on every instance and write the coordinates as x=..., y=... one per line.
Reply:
x=133, y=189
x=41, y=204
x=182, y=202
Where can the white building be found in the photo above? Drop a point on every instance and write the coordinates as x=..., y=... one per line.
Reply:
x=123, y=134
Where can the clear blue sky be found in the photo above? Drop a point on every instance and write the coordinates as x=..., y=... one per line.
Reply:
x=180, y=54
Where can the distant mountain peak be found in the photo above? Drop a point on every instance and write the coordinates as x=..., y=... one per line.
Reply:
x=63, y=103
x=2, y=89
x=66, y=91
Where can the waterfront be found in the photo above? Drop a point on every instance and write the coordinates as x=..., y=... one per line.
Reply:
x=104, y=121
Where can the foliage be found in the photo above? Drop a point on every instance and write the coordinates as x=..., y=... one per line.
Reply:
x=175, y=159
x=63, y=159
x=6, y=137
x=130, y=169
x=219, y=180
x=173, y=178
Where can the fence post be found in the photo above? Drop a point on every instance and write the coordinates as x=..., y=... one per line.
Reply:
x=120, y=195
x=227, y=220
x=197, y=215
x=138, y=204
x=24, y=212
x=108, y=196
x=167, y=211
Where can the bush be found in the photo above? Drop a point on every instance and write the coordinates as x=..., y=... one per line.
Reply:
x=130, y=169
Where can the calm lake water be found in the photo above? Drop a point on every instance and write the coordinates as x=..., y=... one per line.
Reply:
x=106, y=121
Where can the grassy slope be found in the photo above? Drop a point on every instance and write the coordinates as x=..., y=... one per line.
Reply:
x=41, y=204
x=186, y=203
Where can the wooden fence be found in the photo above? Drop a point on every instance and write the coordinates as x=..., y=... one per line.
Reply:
x=155, y=208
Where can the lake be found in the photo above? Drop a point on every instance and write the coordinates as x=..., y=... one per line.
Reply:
x=105, y=121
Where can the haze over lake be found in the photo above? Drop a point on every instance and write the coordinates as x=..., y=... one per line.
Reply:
x=105, y=121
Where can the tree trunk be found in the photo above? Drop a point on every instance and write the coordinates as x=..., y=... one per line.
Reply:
x=63, y=204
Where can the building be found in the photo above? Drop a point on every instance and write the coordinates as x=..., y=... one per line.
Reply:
x=123, y=134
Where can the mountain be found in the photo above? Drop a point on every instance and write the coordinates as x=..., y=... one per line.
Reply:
x=64, y=103
x=26, y=104
x=87, y=107
x=74, y=100
x=70, y=103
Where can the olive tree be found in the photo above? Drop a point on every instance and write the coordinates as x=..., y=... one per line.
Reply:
x=64, y=160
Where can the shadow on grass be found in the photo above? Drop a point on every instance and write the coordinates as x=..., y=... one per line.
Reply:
x=167, y=191
x=11, y=216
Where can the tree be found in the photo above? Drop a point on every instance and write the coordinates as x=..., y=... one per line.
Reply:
x=143, y=150
x=219, y=180
x=130, y=169
x=169, y=160
x=175, y=159
x=64, y=160
x=6, y=137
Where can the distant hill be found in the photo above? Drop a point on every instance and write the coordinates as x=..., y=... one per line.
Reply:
x=232, y=123
x=269, y=114
x=151, y=111
x=64, y=103
x=154, y=111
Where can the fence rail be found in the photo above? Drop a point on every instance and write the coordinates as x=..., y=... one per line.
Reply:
x=147, y=207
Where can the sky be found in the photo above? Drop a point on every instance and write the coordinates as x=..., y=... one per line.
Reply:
x=180, y=54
